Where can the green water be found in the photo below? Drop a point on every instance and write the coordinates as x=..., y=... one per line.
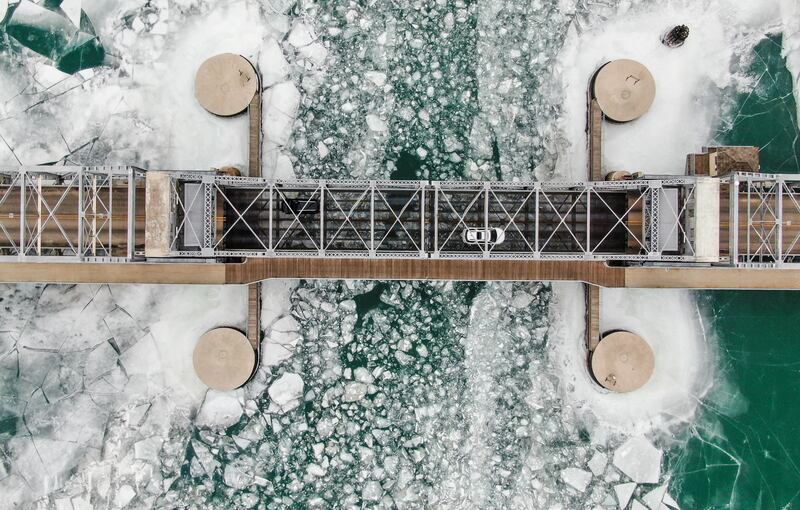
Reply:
x=744, y=450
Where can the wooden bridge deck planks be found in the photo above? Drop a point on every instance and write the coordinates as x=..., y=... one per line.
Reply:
x=426, y=269
x=592, y=316
x=255, y=270
x=254, y=316
x=254, y=156
x=595, y=141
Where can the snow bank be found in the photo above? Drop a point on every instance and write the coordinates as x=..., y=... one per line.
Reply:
x=668, y=320
x=688, y=79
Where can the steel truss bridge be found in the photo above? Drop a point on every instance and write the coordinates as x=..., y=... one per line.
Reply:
x=125, y=214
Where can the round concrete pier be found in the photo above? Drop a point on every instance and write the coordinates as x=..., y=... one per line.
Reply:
x=624, y=90
x=224, y=359
x=622, y=362
x=225, y=84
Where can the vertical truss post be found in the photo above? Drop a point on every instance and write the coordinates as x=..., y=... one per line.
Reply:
x=733, y=220
x=486, y=219
x=749, y=219
x=131, y=213
x=81, y=213
x=653, y=219
x=372, y=219
x=271, y=206
x=94, y=215
x=422, y=251
x=110, y=217
x=779, y=218
x=23, y=222
x=39, y=215
x=436, y=220
x=588, y=251
x=322, y=188
x=209, y=216
x=537, y=187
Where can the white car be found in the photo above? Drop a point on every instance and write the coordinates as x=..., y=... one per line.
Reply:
x=481, y=235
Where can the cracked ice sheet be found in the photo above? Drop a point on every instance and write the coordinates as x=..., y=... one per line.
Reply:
x=139, y=109
x=790, y=14
x=77, y=358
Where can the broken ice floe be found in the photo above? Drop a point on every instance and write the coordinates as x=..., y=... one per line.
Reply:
x=286, y=391
x=639, y=459
x=576, y=478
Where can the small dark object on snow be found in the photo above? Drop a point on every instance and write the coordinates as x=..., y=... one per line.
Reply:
x=676, y=36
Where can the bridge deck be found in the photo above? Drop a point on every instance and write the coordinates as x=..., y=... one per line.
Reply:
x=390, y=229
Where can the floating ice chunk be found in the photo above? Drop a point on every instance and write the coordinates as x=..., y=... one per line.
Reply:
x=72, y=8
x=577, y=478
x=125, y=495
x=375, y=77
x=624, y=491
x=301, y=35
x=361, y=374
x=376, y=124
x=521, y=300
x=326, y=426
x=354, y=391
x=671, y=503
x=315, y=52
x=654, y=498
x=315, y=470
x=220, y=409
x=372, y=491
x=3, y=8
x=637, y=506
x=598, y=463
x=449, y=21
x=272, y=64
x=323, y=150
x=282, y=102
x=237, y=475
x=286, y=391
x=639, y=459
